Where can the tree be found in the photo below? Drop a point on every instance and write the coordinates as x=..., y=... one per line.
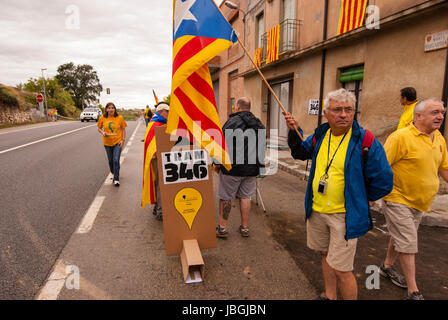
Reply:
x=81, y=81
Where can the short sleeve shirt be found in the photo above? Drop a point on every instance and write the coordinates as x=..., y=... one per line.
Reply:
x=112, y=126
x=416, y=161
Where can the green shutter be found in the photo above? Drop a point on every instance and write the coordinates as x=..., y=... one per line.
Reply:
x=352, y=74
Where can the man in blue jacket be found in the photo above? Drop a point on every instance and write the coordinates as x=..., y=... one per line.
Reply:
x=343, y=179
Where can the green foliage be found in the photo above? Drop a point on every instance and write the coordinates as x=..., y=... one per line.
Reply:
x=167, y=99
x=8, y=99
x=81, y=81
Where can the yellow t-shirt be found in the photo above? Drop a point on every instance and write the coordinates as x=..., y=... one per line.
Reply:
x=112, y=126
x=408, y=116
x=333, y=201
x=416, y=161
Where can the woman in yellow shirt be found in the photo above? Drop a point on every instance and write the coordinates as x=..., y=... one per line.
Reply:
x=113, y=129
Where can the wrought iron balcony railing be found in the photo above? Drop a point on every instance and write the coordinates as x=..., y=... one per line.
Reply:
x=289, y=38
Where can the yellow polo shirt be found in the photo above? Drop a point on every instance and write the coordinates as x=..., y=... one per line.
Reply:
x=416, y=161
x=112, y=126
x=333, y=201
x=408, y=116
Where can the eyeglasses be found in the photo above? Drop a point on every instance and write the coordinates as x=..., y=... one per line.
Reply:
x=339, y=110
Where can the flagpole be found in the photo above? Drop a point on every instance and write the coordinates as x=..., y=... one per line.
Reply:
x=261, y=74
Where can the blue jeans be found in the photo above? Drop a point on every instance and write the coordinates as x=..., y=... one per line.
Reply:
x=113, y=155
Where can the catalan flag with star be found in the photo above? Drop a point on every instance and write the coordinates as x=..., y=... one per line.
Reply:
x=200, y=32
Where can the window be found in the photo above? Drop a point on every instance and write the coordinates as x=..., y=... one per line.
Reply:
x=260, y=30
x=289, y=9
x=351, y=79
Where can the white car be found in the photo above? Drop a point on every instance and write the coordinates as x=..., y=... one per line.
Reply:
x=90, y=114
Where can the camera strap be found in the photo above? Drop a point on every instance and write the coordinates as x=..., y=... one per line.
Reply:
x=325, y=176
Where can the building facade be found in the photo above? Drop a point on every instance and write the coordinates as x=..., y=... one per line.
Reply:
x=374, y=61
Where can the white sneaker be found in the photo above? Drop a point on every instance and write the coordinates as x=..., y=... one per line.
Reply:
x=116, y=183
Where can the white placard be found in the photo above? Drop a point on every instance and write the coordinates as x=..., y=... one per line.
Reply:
x=435, y=41
x=313, y=107
x=184, y=166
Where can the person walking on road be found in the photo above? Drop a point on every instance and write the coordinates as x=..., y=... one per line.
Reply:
x=408, y=99
x=151, y=187
x=341, y=183
x=247, y=152
x=417, y=155
x=148, y=115
x=113, y=129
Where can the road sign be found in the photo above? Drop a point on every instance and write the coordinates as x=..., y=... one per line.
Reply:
x=40, y=98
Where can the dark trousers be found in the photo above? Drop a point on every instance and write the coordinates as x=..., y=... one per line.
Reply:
x=113, y=156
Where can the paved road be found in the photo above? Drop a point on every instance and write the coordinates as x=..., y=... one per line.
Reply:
x=45, y=190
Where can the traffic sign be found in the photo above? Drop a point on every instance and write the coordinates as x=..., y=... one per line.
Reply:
x=40, y=98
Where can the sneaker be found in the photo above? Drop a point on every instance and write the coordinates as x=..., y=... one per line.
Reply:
x=396, y=277
x=221, y=232
x=244, y=231
x=116, y=183
x=414, y=296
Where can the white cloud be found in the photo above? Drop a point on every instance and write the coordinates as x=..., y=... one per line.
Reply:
x=129, y=44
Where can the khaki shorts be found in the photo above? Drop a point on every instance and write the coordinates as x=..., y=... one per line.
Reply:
x=239, y=187
x=402, y=223
x=326, y=233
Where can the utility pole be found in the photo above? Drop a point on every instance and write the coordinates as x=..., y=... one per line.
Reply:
x=45, y=94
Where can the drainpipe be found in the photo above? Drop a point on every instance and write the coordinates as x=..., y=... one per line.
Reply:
x=322, y=72
x=445, y=93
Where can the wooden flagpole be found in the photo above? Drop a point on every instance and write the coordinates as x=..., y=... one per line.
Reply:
x=261, y=74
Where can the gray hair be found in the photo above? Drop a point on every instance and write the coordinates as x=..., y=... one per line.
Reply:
x=340, y=95
x=420, y=107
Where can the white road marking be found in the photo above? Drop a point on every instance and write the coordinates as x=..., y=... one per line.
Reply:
x=37, y=127
x=54, y=283
x=57, y=279
x=88, y=220
x=45, y=139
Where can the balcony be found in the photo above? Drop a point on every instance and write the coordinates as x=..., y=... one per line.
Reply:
x=289, y=38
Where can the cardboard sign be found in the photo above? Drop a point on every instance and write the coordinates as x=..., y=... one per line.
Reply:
x=313, y=107
x=184, y=166
x=186, y=187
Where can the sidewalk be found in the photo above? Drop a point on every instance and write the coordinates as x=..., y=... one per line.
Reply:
x=437, y=216
x=123, y=255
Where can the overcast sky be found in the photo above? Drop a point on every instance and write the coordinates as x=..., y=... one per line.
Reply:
x=128, y=43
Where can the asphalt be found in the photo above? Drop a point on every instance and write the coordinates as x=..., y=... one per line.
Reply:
x=123, y=256
x=45, y=190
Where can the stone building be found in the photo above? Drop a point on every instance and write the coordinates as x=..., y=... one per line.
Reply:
x=395, y=48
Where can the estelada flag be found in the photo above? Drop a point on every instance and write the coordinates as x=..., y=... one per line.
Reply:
x=273, y=44
x=155, y=97
x=200, y=32
x=351, y=15
x=149, y=176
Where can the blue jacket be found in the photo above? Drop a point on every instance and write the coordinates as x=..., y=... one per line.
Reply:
x=361, y=184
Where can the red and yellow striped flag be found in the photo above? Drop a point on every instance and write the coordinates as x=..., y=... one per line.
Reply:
x=149, y=177
x=155, y=97
x=352, y=15
x=273, y=44
x=258, y=56
x=200, y=32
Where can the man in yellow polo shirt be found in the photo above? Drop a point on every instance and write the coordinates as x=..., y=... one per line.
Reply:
x=417, y=155
x=408, y=99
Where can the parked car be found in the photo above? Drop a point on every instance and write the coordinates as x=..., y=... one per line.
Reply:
x=90, y=113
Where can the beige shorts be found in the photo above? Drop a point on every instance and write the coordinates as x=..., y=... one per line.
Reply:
x=402, y=223
x=231, y=187
x=326, y=233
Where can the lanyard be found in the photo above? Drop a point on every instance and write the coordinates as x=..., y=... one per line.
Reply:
x=325, y=176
